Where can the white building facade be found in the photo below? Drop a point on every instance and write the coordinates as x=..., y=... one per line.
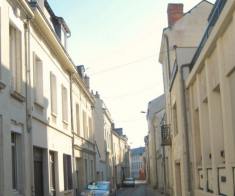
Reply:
x=103, y=139
x=37, y=118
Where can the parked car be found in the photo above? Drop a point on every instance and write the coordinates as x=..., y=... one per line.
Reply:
x=100, y=188
x=129, y=182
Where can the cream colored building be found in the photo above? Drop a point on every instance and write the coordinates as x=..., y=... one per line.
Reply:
x=83, y=129
x=211, y=89
x=103, y=137
x=121, y=156
x=46, y=141
x=159, y=154
x=179, y=42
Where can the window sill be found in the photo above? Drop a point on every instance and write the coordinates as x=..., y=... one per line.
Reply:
x=18, y=96
x=2, y=85
x=53, y=114
x=40, y=105
x=65, y=122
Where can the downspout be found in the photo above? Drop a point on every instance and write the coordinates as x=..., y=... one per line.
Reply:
x=168, y=55
x=169, y=75
x=186, y=127
x=155, y=153
x=72, y=129
x=28, y=91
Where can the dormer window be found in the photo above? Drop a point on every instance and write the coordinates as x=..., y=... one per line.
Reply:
x=64, y=37
x=60, y=27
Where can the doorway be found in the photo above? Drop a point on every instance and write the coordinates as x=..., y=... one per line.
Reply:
x=178, y=179
x=38, y=171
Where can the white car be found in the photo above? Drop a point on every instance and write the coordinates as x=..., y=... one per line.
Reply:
x=130, y=182
x=100, y=188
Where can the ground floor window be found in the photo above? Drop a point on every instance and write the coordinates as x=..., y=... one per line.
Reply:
x=67, y=172
x=15, y=159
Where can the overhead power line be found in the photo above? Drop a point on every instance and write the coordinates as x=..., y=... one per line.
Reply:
x=111, y=68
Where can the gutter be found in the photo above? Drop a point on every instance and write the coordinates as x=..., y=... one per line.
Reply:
x=25, y=6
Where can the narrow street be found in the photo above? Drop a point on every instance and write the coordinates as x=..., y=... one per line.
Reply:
x=141, y=189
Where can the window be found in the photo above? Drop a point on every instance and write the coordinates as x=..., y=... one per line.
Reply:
x=78, y=119
x=15, y=54
x=15, y=160
x=53, y=94
x=92, y=170
x=84, y=124
x=86, y=171
x=90, y=127
x=64, y=104
x=175, y=120
x=67, y=172
x=38, y=80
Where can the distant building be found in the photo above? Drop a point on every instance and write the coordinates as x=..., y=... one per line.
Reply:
x=103, y=139
x=137, y=163
x=121, y=156
x=158, y=157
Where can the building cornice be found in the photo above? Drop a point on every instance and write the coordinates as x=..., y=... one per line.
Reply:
x=26, y=7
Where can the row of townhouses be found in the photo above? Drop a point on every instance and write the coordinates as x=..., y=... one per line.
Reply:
x=55, y=138
x=191, y=138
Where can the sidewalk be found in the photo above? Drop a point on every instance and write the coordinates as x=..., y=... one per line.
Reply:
x=154, y=192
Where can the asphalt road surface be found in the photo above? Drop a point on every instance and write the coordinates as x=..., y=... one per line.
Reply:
x=141, y=189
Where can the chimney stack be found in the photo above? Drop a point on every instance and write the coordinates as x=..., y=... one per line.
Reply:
x=81, y=71
x=87, y=81
x=174, y=12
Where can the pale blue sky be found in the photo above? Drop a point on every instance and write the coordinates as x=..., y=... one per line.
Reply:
x=118, y=42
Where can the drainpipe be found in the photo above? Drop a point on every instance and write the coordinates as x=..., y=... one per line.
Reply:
x=168, y=55
x=169, y=74
x=72, y=129
x=28, y=96
x=186, y=126
x=155, y=153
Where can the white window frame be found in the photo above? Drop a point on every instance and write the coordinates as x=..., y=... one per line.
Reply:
x=15, y=59
x=64, y=104
x=84, y=120
x=78, y=125
x=16, y=131
x=53, y=90
x=38, y=80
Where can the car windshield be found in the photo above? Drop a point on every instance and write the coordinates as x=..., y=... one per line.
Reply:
x=99, y=186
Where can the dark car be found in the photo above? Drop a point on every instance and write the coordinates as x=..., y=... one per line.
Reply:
x=100, y=188
x=128, y=182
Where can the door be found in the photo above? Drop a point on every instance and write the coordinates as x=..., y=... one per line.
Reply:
x=38, y=171
x=52, y=173
x=178, y=179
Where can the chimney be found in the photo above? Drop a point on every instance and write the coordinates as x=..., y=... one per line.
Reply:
x=174, y=12
x=87, y=81
x=81, y=70
x=97, y=95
